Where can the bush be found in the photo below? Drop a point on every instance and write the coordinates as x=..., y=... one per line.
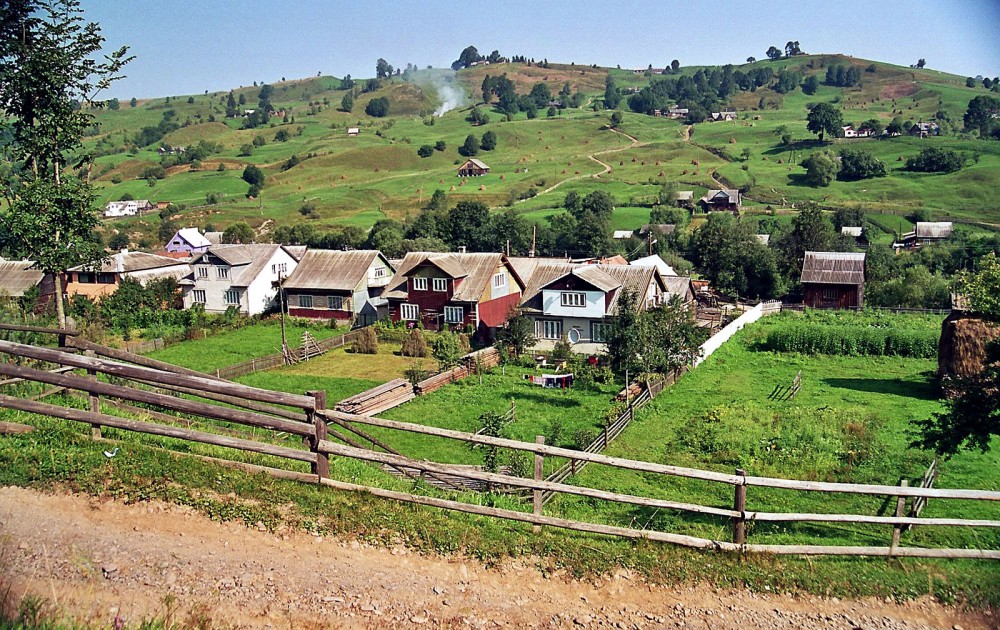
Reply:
x=425, y=151
x=562, y=350
x=414, y=345
x=378, y=107
x=935, y=160
x=366, y=343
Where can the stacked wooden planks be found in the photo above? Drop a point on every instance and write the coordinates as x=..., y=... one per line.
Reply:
x=378, y=399
x=441, y=379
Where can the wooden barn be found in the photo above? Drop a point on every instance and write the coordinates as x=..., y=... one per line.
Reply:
x=473, y=168
x=833, y=280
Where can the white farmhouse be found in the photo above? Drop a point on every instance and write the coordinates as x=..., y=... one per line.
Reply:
x=244, y=276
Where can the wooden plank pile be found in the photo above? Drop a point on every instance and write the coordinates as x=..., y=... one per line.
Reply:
x=378, y=399
x=488, y=358
x=441, y=379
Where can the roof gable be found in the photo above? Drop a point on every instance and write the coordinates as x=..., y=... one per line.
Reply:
x=833, y=268
x=332, y=269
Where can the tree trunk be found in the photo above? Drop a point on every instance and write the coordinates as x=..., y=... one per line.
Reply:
x=60, y=307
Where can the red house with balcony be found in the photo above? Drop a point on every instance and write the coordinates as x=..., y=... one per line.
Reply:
x=453, y=291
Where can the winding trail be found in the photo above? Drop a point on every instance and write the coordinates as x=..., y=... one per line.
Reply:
x=607, y=167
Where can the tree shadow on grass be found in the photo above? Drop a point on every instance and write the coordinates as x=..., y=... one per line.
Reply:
x=895, y=387
x=548, y=399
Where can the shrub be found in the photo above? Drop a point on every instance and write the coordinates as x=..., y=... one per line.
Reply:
x=414, y=345
x=425, y=151
x=366, y=343
x=562, y=350
x=935, y=160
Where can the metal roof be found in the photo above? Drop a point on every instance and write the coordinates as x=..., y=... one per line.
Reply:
x=17, y=276
x=193, y=237
x=474, y=162
x=833, y=268
x=713, y=195
x=332, y=270
x=939, y=229
x=475, y=270
x=851, y=230
x=130, y=262
x=250, y=259
x=654, y=261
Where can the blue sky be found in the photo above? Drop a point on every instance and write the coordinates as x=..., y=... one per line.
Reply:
x=188, y=46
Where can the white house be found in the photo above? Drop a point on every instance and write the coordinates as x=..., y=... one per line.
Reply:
x=129, y=208
x=244, y=276
x=654, y=260
x=189, y=241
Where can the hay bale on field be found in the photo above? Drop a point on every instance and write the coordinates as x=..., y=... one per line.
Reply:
x=962, y=349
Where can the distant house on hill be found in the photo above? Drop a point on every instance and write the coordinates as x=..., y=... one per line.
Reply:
x=473, y=168
x=925, y=233
x=725, y=115
x=619, y=235
x=726, y=200
x=344, y=286
x=130, y=208
x=924, y=129
x=353, y=131
x=189, y=241
x=684, y=199
x=677, y=112
x=833, y=280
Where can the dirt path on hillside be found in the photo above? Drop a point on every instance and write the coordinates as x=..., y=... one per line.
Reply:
x=97, y=559
x=593, y=156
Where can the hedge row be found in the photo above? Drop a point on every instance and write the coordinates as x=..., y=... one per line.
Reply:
x=852, y=340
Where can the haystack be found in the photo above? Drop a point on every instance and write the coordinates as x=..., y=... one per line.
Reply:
x=962, y=349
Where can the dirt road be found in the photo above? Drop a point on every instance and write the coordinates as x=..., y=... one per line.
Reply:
x=96, y=560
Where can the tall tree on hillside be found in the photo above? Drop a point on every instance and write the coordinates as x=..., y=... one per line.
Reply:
x=468, y=56
x=48, y=72
x=773, y=53
x=982, y=114
x=824, y=118
x=382, y=69
x=611, y=96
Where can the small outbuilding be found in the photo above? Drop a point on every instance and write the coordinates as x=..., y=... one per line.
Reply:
x=473, y=168
x=833, y=280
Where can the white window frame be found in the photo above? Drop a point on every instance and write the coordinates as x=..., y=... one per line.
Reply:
x=420, y=284
x=450, y=315
x=202, y=272
x=222, y=272
x=232, y=297
x=598, y=331
x=549, y=329
x=440, y=284
x=198, y=296
x=305, y=301
x=409, y=312
x=379, y=272
x=574, y=299
x=499, y=280
x=335, y=302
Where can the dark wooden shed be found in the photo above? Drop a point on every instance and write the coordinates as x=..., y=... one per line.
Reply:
x=833, y=280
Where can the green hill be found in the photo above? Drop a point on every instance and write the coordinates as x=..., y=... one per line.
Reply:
x=355, y=180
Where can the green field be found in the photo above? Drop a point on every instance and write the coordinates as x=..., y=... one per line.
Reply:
x=354, y=181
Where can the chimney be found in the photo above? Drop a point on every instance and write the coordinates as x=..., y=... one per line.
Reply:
x=461, y=249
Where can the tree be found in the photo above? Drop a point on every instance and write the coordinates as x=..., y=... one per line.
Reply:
x=773, y=53
x=935, y=160
x=792, y=49
x=468, y=56
x=425, y=151
x=253, y=176
x=970, y=82
x=477, y=116
x=49, y=67
x=347, y=103
x=378, y=107
x=382, y=69
x=517, y=334
x=856, y=164
x=239, y=232
x=466, y=222
x=728, y=253
x=812, y=231
x=824, y=118
x=981, y=115
x=471, y=146
x=810, y=85
x=659, y=340
x=751, y=60
x=133, y=102
x=446, y=350
x=489, y=141
x=616, y=119
x=821, y=168
x=611, y=96
x=982, y=289
x=921, y=63
x=675, y=65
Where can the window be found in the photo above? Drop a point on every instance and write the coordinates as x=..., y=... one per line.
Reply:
x=105, y=278
x=409, y=312
x=198, y=296
x=453, y=314
x=305, y=301
x=420, y=284
x=202, y=272
x=379, y=272
x=499, y=280
x=575, y=335
x=85, y=277
x=222, y=272
x=232, y=296
x=440, y=284
x=599, y=332
x=830, y=294
x=336, y=302
x=279, y=268
x=548, y=329
x=573, y=299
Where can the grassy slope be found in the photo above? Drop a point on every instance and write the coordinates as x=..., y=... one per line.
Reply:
x=355, y=181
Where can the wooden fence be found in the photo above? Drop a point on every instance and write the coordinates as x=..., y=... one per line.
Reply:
x=306, y=416
x=276, y=360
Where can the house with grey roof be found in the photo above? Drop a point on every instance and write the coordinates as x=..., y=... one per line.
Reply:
x=345, y=286
x=454, y=291
x=237, y=276
x=20, y=276
x=833, y=280
x=925, y=233
x=188, y=241
x=725, y=200
x=97, y=280
x=473, y=168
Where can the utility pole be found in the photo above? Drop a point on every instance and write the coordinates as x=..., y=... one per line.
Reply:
x=281, y=304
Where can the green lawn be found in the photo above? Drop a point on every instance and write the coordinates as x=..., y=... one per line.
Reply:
x=235, y=346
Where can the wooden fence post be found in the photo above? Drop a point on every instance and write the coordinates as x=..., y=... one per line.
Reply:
x=606, y=435
x=95, y=400
x=740, y=505
x=898, y=529
x=322, y=466
x=539, y=474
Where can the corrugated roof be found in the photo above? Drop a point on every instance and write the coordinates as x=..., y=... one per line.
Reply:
x=654, y=260
x=331, y=270
x=193, y=237
x=606, y=278
x=622, y=234
x=938, y=229
x=851, y=230
x=130, y=262
x=250, y=260
x=476, y=270
x=717, y=195
x=833, y=268
x=474, y=162
x=215, y=238
x=662, y=228
x=17, y=276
